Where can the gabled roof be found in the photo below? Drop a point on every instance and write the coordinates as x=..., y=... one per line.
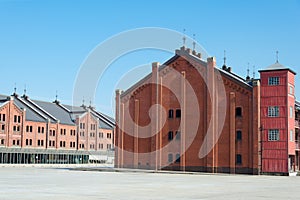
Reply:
x=188, y=55
x=42, y=111
x=31, y=114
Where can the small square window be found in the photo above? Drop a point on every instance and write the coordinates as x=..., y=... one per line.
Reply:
x=177, y=158
x=178, y=113
x=171, y=113
x=170, y=135
x=238, y=159
x=170, y=158
x=239, y=135
x=238, y=112
x=273, y=135
x=273, y=81
x=178, y=135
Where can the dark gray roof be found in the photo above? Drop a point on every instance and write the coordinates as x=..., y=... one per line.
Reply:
x=104, y=125
x=59, y=113
x=31, y=114
x=276, y=66
x=42, y=111
x=74, y=108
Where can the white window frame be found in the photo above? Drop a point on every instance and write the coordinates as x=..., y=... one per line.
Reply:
x=273, y=80
x=273, y=111
x=273, y=135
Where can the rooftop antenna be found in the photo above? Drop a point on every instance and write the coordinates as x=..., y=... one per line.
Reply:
x=15, y=89
x=248, y=71
x=194, y=43
x=224, y=58
x=25, y=90
x=253, y=71
x=184, y=38
x=277, y=56
x=56, y=95
x=83, y=100
x=90, y=102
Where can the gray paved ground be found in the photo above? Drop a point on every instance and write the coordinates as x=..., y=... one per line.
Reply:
x=41, y=183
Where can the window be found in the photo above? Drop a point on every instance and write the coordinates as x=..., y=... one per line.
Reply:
x=39, y=129
x=291, y=135
x=273, y=81
x=100, y=135
x=171, y=113
x=108, y=146
x=291, y=111
x=26, y=142
x=170, y=135
x=177, y=158
x=100, y=146
x=3, y=117
x=18, y=142
x=178, y=135
x=2, y=141
x=170, y=158
x=30, y=142
x=273, y=111
x=178, y=113
x=238, y=112
x=17, y=119
x=28, y=128
x=82, y=125
x=14, y=142
x=273, y=135
x=238, y=159
x=3, y=127
x=239, y=135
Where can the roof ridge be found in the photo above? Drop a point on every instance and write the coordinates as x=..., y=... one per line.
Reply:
x=63, y=107
x=41, y=109
x=103, y=118
x=36, y=111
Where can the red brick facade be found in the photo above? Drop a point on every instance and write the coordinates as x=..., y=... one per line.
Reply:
x=210, y=119
x=44, y=128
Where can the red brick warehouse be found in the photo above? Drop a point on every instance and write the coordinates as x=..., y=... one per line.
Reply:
x=33, y=131
x=209, y=119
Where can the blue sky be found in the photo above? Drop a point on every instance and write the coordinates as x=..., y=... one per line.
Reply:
x=44, y=43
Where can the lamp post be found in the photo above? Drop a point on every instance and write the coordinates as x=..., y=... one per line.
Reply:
x=261, y=128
